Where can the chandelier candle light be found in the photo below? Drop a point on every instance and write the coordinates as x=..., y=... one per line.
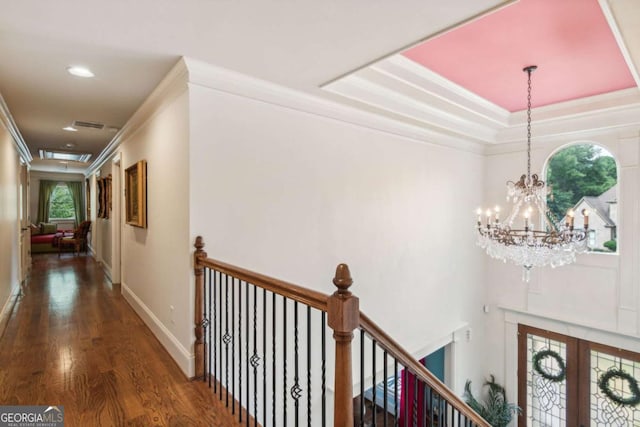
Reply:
x=517, y=239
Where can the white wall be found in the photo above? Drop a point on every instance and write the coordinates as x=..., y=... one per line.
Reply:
x=157, y=269
x=596, y=298
x=9, y=220
x=291, y=194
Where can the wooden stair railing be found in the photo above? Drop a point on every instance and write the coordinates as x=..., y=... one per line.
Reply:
x=270, y=392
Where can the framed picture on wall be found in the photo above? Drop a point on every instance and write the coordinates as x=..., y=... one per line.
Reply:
x=100, y=185
x=135, y=178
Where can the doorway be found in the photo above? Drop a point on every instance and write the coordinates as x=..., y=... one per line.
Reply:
x=566, y=381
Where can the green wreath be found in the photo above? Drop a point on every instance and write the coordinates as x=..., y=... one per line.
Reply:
x=603, y=383
x=537, y=366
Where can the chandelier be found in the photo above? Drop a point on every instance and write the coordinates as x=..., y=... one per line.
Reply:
x=530, y=235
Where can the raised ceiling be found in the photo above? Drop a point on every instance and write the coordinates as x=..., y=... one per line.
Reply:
x=468, y=81
x=570, y=41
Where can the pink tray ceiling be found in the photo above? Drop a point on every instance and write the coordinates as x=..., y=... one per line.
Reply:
x=569, y=40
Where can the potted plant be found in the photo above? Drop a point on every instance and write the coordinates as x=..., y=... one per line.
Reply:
x=494, y=409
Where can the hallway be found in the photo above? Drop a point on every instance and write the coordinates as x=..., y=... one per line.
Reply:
x=72, y=340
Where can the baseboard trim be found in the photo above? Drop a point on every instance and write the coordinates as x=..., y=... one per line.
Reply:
x=181, y=355
x=107, y=269
x=7, y=308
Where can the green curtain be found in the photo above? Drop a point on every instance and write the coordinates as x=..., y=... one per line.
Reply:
x=77, y=193
x=44, y=197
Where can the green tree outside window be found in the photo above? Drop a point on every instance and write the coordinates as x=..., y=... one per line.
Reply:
x=61, y=205
x=578, y=171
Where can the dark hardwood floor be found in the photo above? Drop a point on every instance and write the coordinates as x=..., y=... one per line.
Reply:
x=72, y=340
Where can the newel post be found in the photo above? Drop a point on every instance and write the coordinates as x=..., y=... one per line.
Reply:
x=343, y=317
x=198, y=346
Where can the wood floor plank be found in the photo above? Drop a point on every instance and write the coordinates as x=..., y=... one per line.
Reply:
x=73, y=340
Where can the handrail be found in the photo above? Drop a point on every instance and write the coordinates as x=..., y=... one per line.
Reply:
x=343, y=317
x=421, y=372
x=306, y=296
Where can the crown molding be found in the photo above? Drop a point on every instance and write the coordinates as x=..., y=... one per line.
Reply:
x=231, y=82
x=171, y=86
x=429, y=82
x=606, y=112
x=7, y=120
x=401, y=89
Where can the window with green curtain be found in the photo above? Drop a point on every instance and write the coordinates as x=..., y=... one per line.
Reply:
x=44, y=199
x=77, y=193
x=61, y=200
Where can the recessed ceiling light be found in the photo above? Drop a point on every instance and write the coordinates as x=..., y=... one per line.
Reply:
x=70, y=129
x=69, y=145
x=80, y=72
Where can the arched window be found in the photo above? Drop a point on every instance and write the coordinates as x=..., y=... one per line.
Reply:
x=583, y=179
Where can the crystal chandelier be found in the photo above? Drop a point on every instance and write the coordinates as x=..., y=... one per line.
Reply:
x=516, y=238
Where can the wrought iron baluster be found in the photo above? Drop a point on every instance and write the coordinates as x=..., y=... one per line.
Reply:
x=233, y=345
x=273, y=358
x=414, y=415
x=209, y=326
x=385, y=393
x=405, y=388
x=361, y=378
x=255, y=360
x=295, y=390
x=308, y=366
x=203, y=324
x=395, y=393
x=220, y=341
x=431, y=412
x=213, y=326
x=246, y=351
x=227, y=338
x=373, y=376
x=284, y=360
x=323, y=323
x=264, y=358
x=425, y=390
x=239, y=352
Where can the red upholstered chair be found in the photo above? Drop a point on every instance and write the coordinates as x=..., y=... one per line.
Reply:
x=78, y=240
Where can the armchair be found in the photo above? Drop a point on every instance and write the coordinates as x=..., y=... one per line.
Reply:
x=78, y=240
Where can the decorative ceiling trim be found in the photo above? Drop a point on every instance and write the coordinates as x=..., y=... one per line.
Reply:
x=403, y=90
x=172, y=85
x=433, y=84
x=7, y=120
x=429, y=114
x=615, y=30
x=224, y=80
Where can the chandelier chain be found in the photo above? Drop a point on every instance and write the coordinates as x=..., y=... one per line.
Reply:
x=529, y=70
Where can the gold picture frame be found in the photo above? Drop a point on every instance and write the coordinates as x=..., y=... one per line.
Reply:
x=135, y=177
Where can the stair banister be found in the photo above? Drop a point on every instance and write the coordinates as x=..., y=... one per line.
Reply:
x=343, y=316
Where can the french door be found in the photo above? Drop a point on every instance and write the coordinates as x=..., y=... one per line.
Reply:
x=565, y=381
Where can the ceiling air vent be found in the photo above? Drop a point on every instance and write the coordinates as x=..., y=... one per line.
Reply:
x=91, y=125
